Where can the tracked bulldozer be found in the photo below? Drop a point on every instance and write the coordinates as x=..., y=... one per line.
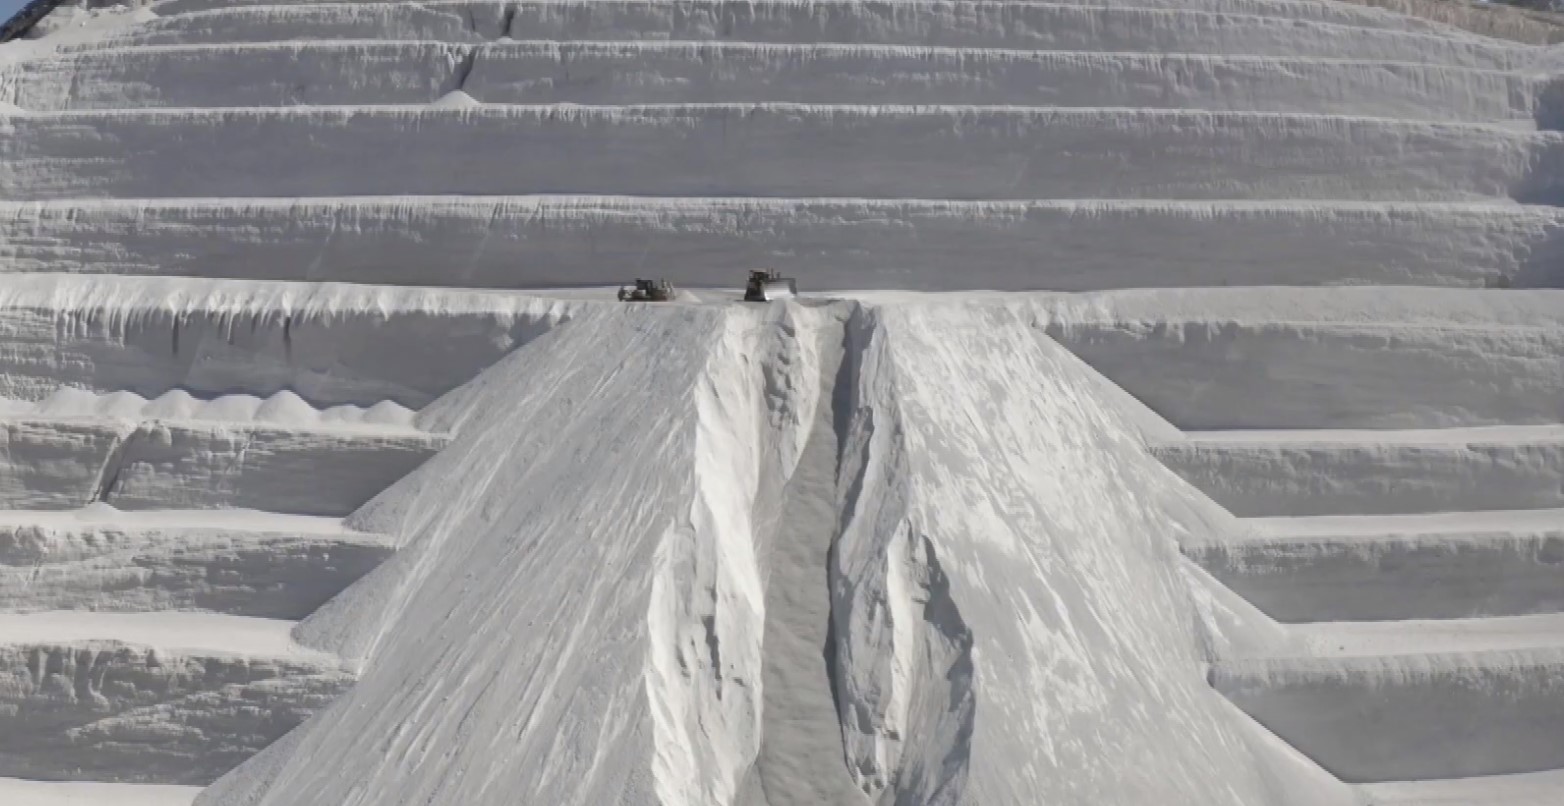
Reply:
x=647, y=291
x=766, y=285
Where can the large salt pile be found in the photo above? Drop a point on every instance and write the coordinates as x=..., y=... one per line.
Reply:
x=1226, y=465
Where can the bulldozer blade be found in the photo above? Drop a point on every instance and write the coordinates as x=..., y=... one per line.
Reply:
x=779, y=289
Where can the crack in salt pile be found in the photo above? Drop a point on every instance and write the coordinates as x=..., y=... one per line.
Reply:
x=1225, y=467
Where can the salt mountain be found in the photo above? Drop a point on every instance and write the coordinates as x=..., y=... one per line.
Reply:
x=1227, y=469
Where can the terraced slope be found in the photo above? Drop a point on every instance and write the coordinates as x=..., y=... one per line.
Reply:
x=157, y=553
x=173, y=507
x=1398, y=487
x=614, y=582
x=860, y=145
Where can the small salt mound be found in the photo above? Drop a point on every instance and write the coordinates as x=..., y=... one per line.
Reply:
x=342, y=414
x=68, y=402
x=282, y=408
x=387, y=412
x=97, y=510
x=456, y=99
x=232, y=408
x=173, y=405
x=286, y=408
x=382, y=413
x=118, y=404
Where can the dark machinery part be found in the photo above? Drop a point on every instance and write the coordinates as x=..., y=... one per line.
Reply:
x=766, y=285
x=647, y=291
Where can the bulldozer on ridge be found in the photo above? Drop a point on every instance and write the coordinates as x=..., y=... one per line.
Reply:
x=766, y=285
x=647, y=291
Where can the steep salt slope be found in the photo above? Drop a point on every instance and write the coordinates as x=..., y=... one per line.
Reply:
x=958, y=406
x=668, y=427
x=594, y=518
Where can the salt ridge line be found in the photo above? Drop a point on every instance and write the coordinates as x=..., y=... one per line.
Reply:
x=1342, y=472
x=284, y=407
x=308, y=349
x=213, y=634
x=137, y=697
x=218, y=414
x=1430, y=358
x=331, y=73
x=1194, y=372
x=1394, y=526
x=1356, y=305
x=235, y=562
x=1010, y=25
x=567, y=111
x=85, y=793
x=971, y=152
x=1346, y=14
x=553, y=241
x=67, y=463
x=1522, y=789
x=1391, y=567
x=238, y=520
x=1383, y=639
x=413, y=202
x=110, y=51
x=1341, y=437
x=1411, y=716
x=124, y=296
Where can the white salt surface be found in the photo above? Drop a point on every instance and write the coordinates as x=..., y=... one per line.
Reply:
x=169, y=631
x=879, y=548
x=17, y=792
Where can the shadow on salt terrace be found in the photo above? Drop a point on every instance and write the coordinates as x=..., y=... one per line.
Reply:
x=1543, y=266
